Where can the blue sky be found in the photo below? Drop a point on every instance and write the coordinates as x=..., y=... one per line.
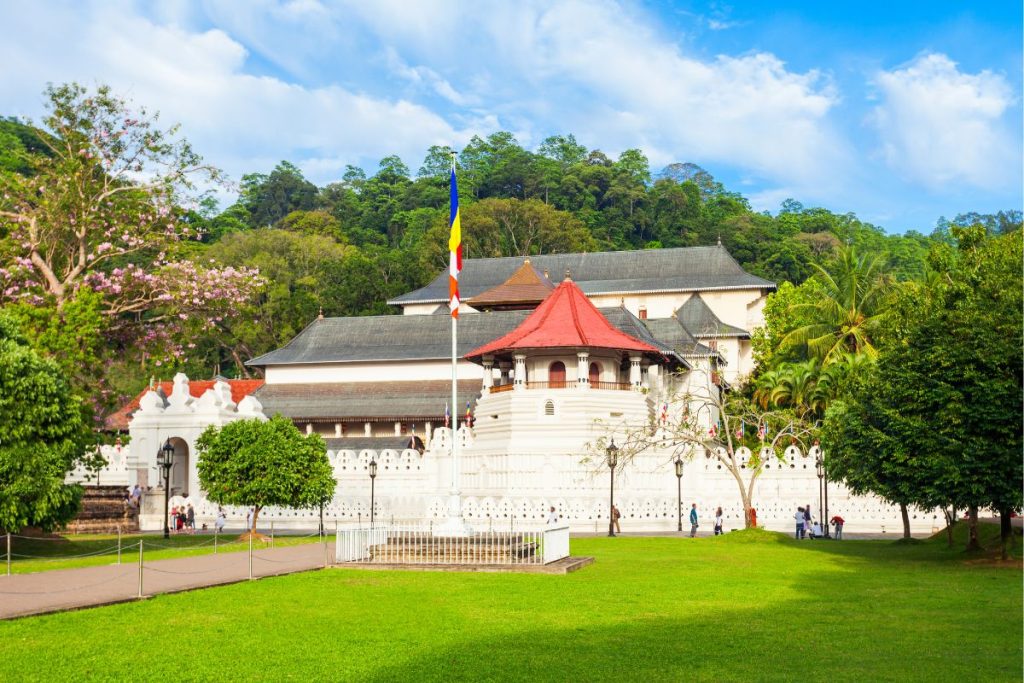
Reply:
x=898, y=111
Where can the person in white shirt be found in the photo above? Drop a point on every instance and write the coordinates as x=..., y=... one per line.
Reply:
x=221, y=520
x=718, y=522
x=816, y=529
x=552, y=516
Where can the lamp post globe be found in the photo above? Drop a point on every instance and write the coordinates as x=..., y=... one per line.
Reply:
x=613, y=461
x=165, y=459
x=679, y=492
x=373, y=477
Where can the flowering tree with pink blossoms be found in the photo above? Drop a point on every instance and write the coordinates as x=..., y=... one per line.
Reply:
x=103, y=208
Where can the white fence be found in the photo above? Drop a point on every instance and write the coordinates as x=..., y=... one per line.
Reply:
x=423, y=545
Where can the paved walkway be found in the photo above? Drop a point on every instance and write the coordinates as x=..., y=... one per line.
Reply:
x=63, y=589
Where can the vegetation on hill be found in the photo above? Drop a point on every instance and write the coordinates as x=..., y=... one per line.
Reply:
x=141, y=303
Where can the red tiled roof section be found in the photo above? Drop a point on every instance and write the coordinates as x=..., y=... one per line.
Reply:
x=525, y=286
x=240, y=388
x=566, y=319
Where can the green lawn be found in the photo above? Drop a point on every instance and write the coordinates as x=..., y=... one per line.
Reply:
x=747, y=606
x=44, y=554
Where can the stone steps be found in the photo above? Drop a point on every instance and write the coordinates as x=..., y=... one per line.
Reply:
x=103, y=511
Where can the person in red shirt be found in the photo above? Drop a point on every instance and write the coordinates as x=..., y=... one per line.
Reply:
x=838, y=522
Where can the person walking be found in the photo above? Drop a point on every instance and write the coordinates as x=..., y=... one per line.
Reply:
x=808, y=517
x=694, y=522
x=800, y=520
x=615, y=518
x=220, y=521
x=190, y=519
x=838, y=523
x=718, y=522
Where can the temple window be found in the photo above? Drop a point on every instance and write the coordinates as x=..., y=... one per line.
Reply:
x=556, y=376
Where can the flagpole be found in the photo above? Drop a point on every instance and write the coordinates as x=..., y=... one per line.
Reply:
x=455, y=522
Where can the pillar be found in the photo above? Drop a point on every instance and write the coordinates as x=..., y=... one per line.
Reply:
x=488, y=374
x=337, y=430
x=398, y=428
x=367, y=429
x=309, y=428
x=634, y=371
x=428, y=428
x=582, y=370
x=506, y=370
x=520, y=371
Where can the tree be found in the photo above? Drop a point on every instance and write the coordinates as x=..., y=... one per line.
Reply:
x=259, y=463
x=103, y=208
x=730, y=428
x=939, y=421
x=850, y=311
x=42, y=436
x=270, y=198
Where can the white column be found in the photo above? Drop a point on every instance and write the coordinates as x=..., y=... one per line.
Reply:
x=428, y=428
x=398, y=429
x=583, y=370
x=520, y=371
x=367, y=429
x=634, y=371
x=309, y=428
x=337, y=430
x=488, y=374
x=506, y=370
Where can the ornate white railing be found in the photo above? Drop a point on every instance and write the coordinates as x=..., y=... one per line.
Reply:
x=426, y=545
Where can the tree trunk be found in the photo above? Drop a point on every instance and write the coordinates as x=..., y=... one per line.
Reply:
x=1005, y=532
x=906, y=520
x=972, y=529
x=950, y=521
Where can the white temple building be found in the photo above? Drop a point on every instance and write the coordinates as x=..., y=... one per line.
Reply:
x=544, y=371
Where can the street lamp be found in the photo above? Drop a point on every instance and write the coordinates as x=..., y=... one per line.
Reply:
x=613, y=460
x=373, y=477
x=165, y=460
x=679, y=491
x=823, y=478
x=818, y=465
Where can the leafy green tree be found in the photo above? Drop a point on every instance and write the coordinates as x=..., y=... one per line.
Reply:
x=257, y=463
x=940, y=420
x=270, y=198
x=850, y=311
x=42, y=436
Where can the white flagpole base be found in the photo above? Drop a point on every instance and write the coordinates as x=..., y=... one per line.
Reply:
x=455, y=525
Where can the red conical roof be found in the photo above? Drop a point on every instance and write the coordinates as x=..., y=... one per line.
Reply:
x=566, y=319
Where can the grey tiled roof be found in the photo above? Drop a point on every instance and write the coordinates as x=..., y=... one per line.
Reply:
x=370, y=401
x=389, y=338
x=376, y=443
x=420, y=337
x=702, y=322
x=683, y=269
x=633, y=326
x=672, y=334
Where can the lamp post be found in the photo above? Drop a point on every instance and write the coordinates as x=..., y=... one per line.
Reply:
x=373, y=477
x=824, y=479
x=165, y=460
x=613, y=460
x=679, y=492
x=818, y=465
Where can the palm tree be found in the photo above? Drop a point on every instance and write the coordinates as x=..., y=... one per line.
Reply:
x=849, y=312
x=796, y=386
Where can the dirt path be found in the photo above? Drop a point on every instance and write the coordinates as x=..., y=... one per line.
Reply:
x=63, y=589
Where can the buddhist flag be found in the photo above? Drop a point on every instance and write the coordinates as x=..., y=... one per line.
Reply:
x=454, y=249
x=469, y=415
x=447, y=415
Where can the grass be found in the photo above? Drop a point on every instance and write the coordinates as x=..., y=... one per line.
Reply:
x=45, y=554
x=747, y=606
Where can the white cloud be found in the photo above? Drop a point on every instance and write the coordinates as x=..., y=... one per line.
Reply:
x=603, y=71
x=198, y=79
x=940, y=126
